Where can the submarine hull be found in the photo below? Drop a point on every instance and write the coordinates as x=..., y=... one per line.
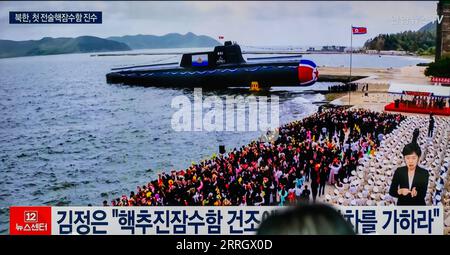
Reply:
x=216, y=78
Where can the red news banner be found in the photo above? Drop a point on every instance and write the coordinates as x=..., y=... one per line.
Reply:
x=30, y=220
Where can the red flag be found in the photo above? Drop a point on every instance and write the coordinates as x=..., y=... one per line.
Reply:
x=359, y=30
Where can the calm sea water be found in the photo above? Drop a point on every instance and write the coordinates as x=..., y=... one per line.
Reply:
x=68, y=138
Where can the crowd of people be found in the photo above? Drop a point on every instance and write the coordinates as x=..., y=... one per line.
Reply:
x=424, y=102
x=323, y=148
x=343, y=87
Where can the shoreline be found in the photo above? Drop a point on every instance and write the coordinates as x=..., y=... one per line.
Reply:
x=378, y=80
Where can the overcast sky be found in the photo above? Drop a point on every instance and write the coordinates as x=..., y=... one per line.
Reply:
x=249, y=23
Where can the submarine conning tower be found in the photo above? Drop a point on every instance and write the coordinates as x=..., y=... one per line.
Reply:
x=229, y=53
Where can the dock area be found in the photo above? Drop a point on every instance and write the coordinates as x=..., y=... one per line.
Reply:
x=375, y=76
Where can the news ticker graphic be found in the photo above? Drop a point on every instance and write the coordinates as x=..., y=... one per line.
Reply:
x=209, y=220
x=58, y=17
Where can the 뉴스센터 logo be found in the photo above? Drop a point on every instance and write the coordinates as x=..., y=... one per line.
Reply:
x=30, y=220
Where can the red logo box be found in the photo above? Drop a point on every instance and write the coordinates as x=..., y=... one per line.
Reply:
x=30, y=220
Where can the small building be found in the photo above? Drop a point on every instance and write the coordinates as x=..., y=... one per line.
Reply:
x=372, y=51
x=393, y=52
x=334, y=48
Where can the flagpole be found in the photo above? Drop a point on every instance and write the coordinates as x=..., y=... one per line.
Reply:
x=351, y=53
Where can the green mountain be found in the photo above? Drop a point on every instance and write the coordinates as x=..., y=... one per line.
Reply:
x=431, y=27
x=422, y=41
x=49, y=46
x=172, y=40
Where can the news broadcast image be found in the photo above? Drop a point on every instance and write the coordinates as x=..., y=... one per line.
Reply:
x=226, y=121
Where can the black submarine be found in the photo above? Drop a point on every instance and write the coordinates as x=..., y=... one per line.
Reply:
x=224, y=67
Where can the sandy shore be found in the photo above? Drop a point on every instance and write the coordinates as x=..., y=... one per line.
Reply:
x=378, y=80
x=407, y=74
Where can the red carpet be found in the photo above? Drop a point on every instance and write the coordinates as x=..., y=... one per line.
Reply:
x=402, y=108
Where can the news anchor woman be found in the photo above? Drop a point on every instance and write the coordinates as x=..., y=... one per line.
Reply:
x=410, y=182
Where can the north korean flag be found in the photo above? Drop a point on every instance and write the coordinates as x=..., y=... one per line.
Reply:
x=359, y=30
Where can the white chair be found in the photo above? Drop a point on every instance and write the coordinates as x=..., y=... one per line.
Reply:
x=348, y=195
